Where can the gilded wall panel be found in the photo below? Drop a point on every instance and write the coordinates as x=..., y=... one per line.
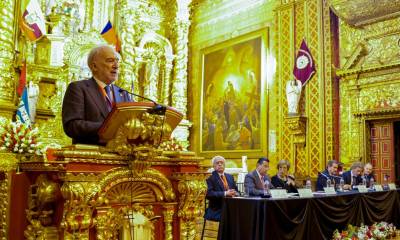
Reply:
x=369, y=79
x=7, y=57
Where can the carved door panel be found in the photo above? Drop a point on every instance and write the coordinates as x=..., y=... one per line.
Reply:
x=382, y=151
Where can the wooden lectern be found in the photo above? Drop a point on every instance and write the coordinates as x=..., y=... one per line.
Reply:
x=131, y=124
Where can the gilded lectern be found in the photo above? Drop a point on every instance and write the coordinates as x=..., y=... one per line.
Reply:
x=128, y=189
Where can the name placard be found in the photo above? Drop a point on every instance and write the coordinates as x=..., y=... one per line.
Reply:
x=279, y=193
x=392, y=186
x=305, y=192
x=329, y=190
x=378, y=188
x=362, y=188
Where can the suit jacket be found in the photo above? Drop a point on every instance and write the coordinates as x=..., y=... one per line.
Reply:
x=215, y=194
x=253, y=184
x=368, y=178
x=347, y=178
x=323, y=177
x=85, y=109
x=279, y=183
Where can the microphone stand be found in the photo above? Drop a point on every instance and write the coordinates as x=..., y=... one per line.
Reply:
x=158, y=109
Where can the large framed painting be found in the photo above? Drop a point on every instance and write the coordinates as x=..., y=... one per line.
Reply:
x=233, y=97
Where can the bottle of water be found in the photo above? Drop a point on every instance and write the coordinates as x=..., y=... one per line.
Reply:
x=308, y=183
x=385, y=182
x=266, y=187
x=328, y=183
x=372, y=183
x=341, y=184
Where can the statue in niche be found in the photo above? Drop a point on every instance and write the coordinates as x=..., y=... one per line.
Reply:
x=293, y=91
x=33, y=95
x=151, y=78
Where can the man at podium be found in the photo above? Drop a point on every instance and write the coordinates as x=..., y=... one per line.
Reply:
x=87, y=102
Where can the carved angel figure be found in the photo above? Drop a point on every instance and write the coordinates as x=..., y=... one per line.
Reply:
x=293, y=91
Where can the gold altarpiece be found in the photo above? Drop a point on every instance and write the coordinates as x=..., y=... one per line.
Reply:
x=84, y=188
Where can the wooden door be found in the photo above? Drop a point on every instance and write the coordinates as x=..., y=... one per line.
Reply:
x=382, y=151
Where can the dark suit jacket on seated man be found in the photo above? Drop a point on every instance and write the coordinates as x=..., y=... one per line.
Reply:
x=353, y=176
x=87, y=102
x=329, y=173
x=255, y=181
x=219, y=185
x=368, y=174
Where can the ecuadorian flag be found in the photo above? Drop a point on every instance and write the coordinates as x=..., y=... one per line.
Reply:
x=111, y=36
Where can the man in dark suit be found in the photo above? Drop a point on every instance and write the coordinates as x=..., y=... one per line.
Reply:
x=219, y=185
x=368, y=174
x=257, y=181
x=87, y=102
x=353, y=176
x=329, y=173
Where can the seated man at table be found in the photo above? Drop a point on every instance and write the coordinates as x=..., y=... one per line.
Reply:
x=329, y=173
x=256, y=182
x=219, y=185
x=282, y=179
x=353, y=176
x=368, y=174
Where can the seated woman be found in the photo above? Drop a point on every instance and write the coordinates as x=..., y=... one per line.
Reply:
x=282, y=179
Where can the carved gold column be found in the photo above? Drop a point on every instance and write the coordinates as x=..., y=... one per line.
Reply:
x=179, y=85
x=108, y=222
x=7, y=163
x=169, y=210
x=181, y=30
x=128, y=35
x=7, y=73
x=192, y=189
x=297, y=130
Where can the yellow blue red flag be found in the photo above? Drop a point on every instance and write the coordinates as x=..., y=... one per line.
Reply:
x=109, y=34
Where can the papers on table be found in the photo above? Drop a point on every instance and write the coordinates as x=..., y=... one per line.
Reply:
x=305, y=192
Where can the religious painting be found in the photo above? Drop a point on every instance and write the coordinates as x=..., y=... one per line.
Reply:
x=232, y=95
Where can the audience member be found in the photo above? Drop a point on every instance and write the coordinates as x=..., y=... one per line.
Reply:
x=353, y=176
x=329, y=173
x=219, y=185
x=256, y=182
x=282, y=179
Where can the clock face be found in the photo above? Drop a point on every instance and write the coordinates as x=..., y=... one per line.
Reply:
x=302, y=62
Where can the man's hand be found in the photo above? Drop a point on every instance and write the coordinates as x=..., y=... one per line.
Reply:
x=230, y=193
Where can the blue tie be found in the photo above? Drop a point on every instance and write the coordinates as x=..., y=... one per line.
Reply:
x=109, y=101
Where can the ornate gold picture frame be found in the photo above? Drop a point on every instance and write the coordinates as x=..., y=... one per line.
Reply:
x=233, y=98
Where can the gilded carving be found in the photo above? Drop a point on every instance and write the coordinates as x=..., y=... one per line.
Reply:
x=147, y=129
x=7, y=57
x=297, y=126
x=4, y=203
x=42, y=199
x=192, y=188
x=169, y=211
x=152, y=178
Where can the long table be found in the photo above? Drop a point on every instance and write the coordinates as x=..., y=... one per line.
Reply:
x=305, y=218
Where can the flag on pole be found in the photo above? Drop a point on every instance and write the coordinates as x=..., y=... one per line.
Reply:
x=304, y=67
x=32, y=22
x=23, y=107
x=22, y=80
x=110, y=35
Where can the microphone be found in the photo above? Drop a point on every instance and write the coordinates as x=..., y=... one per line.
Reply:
x=158, y=109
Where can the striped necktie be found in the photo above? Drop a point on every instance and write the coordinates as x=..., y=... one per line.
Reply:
x=108, y=97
